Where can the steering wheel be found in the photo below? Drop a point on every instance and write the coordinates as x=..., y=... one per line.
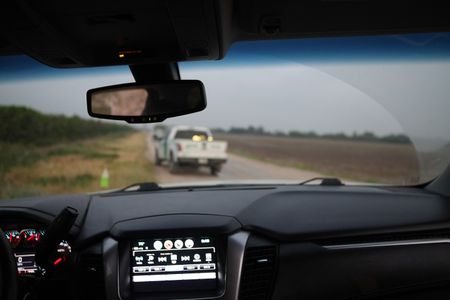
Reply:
x=8, y=270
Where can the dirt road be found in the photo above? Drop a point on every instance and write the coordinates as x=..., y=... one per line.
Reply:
x=236, y=168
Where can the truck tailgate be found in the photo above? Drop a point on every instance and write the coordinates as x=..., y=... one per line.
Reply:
x=207, y=150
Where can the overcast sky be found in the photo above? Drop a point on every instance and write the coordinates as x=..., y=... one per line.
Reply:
x=382, y=98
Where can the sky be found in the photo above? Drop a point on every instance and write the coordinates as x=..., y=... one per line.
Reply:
x=383, y=91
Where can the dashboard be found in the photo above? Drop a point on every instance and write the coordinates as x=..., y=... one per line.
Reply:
x=244, y=242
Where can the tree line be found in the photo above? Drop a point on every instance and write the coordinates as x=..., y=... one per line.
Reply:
x=22, y=125
x=366, y=136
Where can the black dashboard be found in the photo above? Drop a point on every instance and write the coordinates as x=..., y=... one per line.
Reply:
x=249, y=242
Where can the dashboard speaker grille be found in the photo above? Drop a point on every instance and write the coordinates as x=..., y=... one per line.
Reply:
x=258, y=270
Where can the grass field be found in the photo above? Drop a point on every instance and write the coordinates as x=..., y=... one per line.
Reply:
x=76, y=167
x=359, y=161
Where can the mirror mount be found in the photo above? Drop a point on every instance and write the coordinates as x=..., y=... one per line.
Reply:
x=155, y=72
x=148, y=73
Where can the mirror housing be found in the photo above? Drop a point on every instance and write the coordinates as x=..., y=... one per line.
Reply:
x=146, y=103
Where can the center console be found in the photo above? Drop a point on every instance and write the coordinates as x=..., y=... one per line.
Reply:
x=177, y=266
x=200, y=257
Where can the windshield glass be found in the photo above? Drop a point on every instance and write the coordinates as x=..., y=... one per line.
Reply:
x=195, y=135
x=370, y=110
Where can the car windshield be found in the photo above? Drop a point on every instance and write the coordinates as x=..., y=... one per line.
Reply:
x=367, y=110
x=195, y=135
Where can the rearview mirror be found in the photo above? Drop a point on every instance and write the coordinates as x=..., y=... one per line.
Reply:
x=146, y=103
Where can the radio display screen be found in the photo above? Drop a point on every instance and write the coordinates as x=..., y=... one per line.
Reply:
x=166, y=264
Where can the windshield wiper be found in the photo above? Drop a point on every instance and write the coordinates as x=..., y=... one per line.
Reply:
x=142, y=187
x=328, y=181
x=153, y=186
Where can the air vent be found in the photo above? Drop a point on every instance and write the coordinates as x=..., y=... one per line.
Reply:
x=257, y=273
x=92, y=277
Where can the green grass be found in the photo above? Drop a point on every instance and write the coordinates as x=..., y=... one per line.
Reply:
x=82, y=151
x=27, y=136
x=9, y=192
x=16, y=155
x=12, y=155
x=79, y=180
x=76, y=167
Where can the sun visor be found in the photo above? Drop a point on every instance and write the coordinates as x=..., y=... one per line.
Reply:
x=267, y=19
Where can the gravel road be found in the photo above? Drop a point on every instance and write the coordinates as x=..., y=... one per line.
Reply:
x=236, y=168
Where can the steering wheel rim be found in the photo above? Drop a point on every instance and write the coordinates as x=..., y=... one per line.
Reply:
x=8, y=270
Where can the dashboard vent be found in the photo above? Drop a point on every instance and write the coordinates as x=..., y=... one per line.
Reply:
x=92, y=276
x=258, y=271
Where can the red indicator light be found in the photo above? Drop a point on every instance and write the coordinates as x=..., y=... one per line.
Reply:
x=58, y=261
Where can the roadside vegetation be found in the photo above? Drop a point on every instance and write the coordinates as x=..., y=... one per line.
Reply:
x=48, y=154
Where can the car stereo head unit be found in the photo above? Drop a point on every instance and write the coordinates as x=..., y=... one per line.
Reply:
x=174, y=264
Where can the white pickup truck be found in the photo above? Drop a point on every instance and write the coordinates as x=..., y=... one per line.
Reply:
x=189, y=146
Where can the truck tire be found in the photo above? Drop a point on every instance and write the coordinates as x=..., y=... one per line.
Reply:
x=173, y=166
x=214, y=170
x=157, y=159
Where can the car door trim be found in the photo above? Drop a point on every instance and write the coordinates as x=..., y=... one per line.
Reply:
x=388, y=244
